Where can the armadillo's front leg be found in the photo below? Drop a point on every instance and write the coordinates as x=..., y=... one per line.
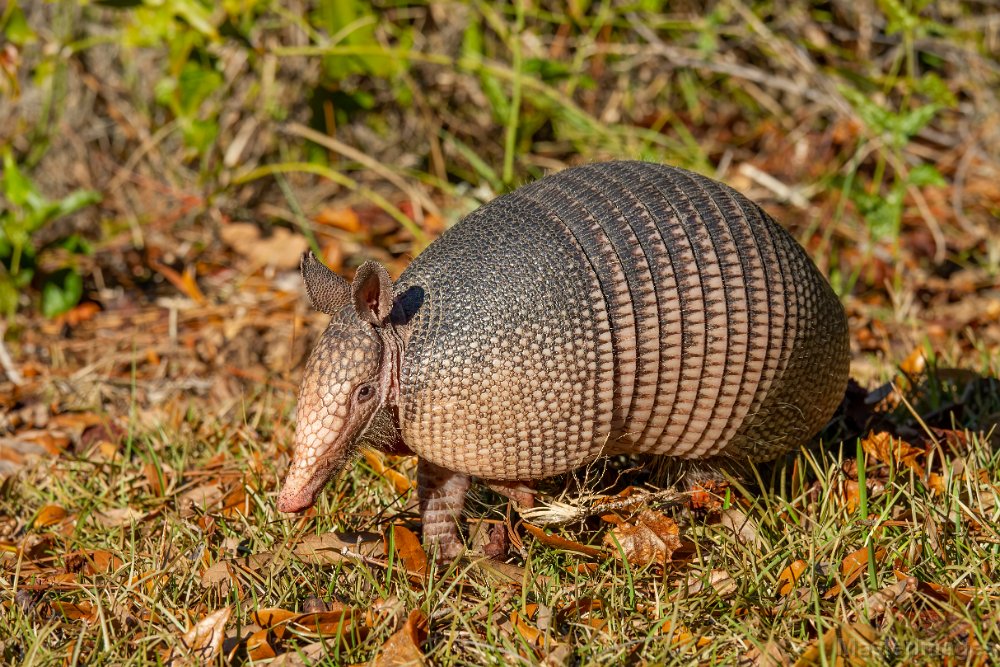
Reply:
x=442, y=496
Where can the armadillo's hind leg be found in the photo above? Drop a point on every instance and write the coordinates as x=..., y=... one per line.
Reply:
x=522, y=493
x=442, y=496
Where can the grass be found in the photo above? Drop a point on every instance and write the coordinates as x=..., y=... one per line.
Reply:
x=119, y=576
x=143, y=441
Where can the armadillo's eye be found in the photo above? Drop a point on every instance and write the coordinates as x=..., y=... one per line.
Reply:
x=365, y=393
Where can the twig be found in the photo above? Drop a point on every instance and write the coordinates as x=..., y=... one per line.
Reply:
x=792, y=195
x=958, y=193
x=940, y=245
x=556, y=512
x=351, y=153
x=679, y=57
x=6, y=362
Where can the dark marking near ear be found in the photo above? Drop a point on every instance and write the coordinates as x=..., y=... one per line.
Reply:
x=372, y=293
x=327, y=291
x=408, y=304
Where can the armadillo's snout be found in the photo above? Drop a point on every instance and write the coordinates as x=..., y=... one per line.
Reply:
x=306, y=478
x=319, y=453
x=292, y=502
x=299, y=491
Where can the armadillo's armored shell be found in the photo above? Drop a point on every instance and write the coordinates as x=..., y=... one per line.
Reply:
x=621, y=306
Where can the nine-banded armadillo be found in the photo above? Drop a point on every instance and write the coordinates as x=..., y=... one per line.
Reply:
x=615, y=307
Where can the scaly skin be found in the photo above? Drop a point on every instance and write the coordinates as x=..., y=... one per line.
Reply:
x=612, y=308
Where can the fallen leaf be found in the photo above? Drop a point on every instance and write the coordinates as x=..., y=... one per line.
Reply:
x=282, y=249
x=770, y=654
x=528, y=632
x=578, y=608
x=851, y=643
x=789, y=577
x=331, y=548
x=937, y=591
x=152, y=474
x=719, y=581
x=202, y=498
x=852, y=567
x=119, y=516
x=55, y=442
x=410, y=552
x=342, y=623
x=896, y=451
x=235, y=503
x=272, y=616
x=434, y=225
x=489, y=536
x=38, y=547
x=303, y=656
x=914, y=364
x=399, y=481
x=202, y=643
x=223, y=573
x=561, y=542
x=341, y=218
x=259, y=646
x=582, y=569
x=708, y=495
x=101, y=561
x=217, y=574
x=681, y=636
x=186, y=283
x=652, y=538
x=403, y=647
x=75, y=611
x=744, y=528
x=78, y=314
x=49, y=515
x=852, y=495
x=506, y=572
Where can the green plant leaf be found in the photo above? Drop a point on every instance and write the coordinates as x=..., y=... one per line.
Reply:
x=194, y=85
x=352, y=23
x=875, y=117
x=197, y=15
x=546, y=69
x=199, y=134
x=900, y=19
x=935, y=89
x=8, y=296
x=77, y=200
x=909, y=124
x=15, y=27
x=61, y=291
x=925, y=174
x=16, y=186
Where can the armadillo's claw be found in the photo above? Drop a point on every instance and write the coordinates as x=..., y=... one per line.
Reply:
x=522, y=493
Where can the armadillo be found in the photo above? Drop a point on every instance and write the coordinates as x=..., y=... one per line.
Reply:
x=618, y=307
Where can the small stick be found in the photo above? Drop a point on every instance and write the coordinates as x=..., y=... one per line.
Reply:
x=6, y=362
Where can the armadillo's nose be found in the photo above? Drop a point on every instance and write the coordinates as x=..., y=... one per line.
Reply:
x=292, y=503
x=315, y=461
x=299, y=491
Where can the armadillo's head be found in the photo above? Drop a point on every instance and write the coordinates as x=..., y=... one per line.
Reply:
x=349, y=376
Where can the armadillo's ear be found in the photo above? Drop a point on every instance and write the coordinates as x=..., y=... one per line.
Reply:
x=327, y=291
x=372, y=293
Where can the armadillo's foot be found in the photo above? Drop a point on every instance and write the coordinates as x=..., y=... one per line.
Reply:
x=442, y=496
x=522, y=493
